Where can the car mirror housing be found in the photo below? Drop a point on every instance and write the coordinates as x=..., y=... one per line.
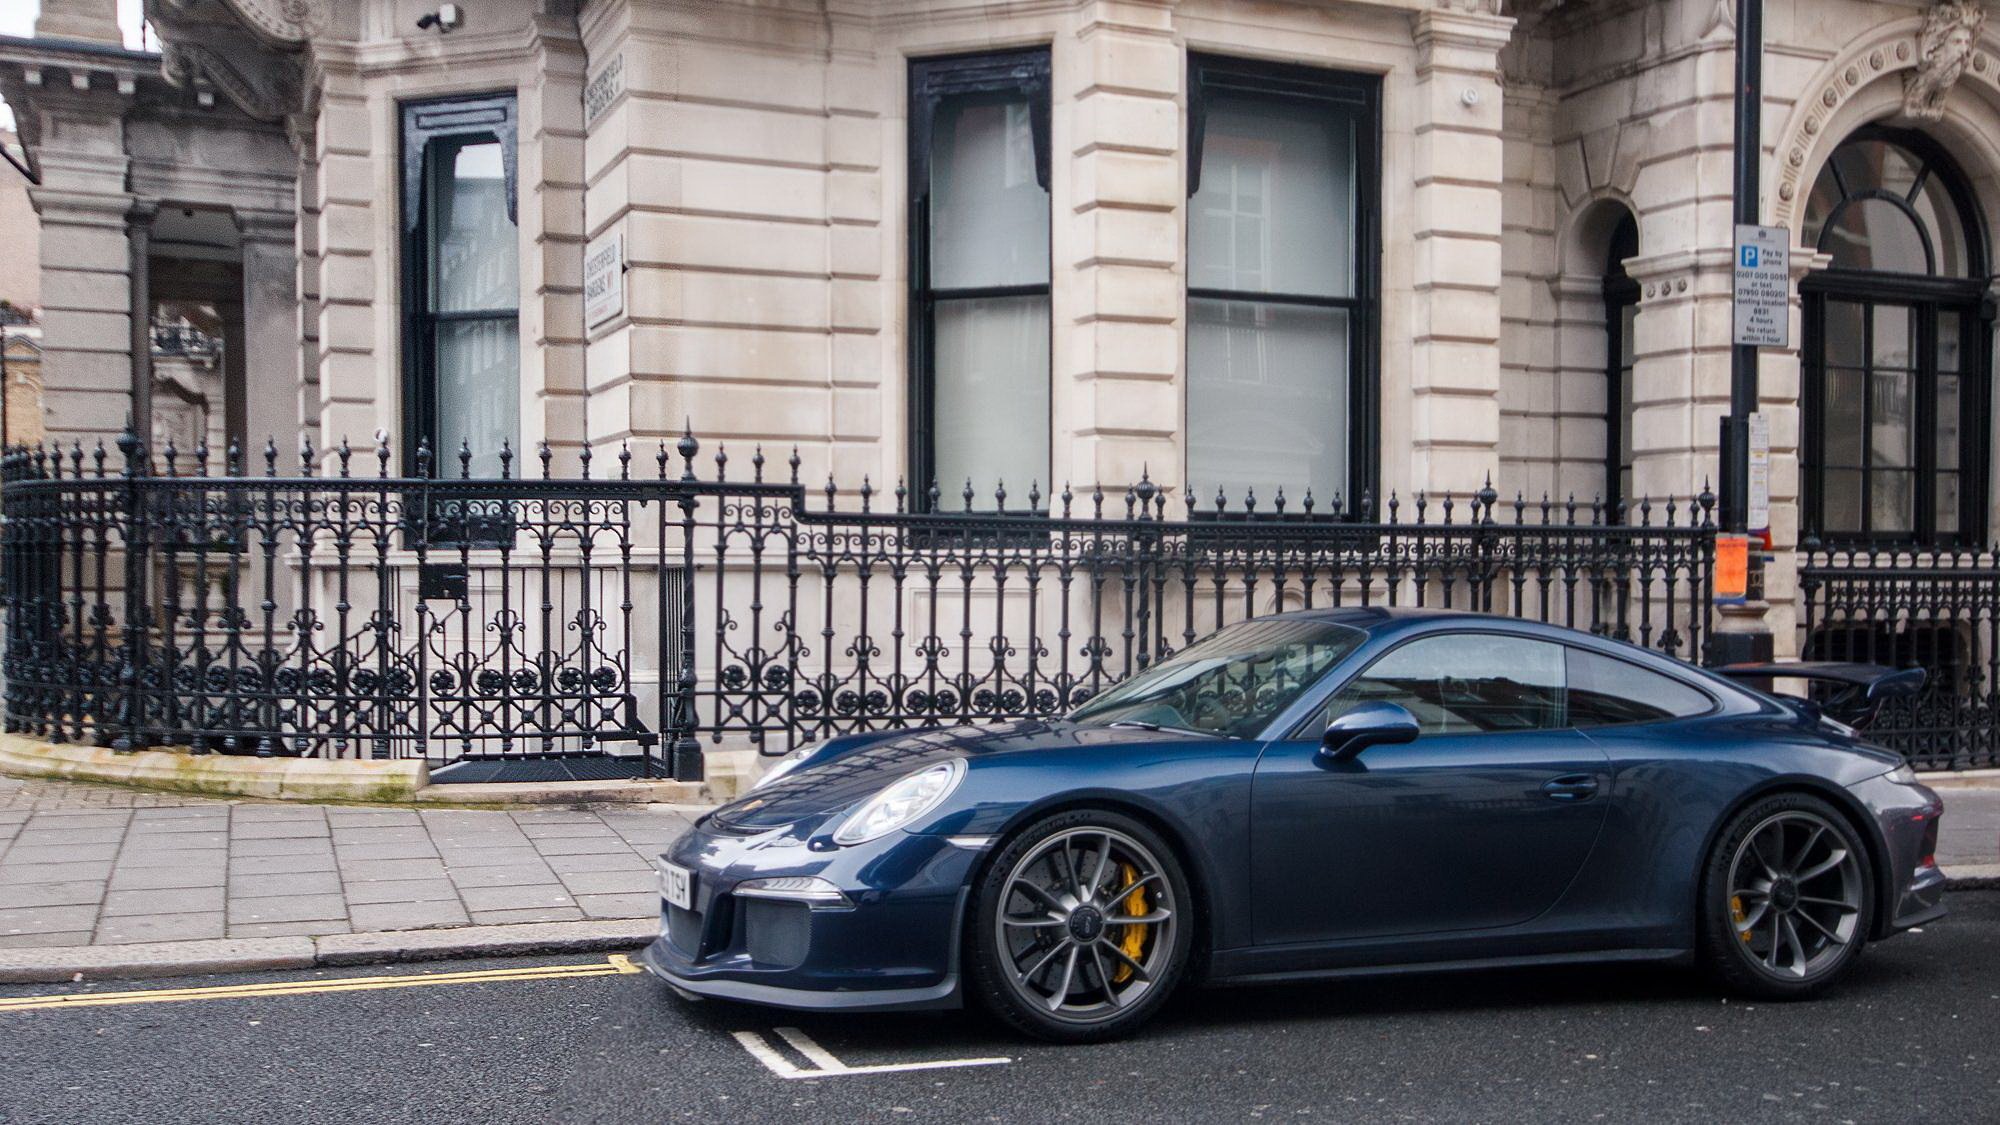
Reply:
x=1374, y=723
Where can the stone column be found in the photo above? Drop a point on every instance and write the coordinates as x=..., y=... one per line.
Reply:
x=1120, y=202
x=139, y=288
x=1456, y=265
x=270, y=341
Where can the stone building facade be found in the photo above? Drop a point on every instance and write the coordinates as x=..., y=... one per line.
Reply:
x=1356, y=246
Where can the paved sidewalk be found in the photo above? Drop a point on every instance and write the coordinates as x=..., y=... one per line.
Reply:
x=86, y=864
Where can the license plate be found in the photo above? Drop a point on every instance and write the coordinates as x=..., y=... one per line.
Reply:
x=677, y=885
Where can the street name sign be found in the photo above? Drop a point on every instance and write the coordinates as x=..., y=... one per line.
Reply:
x=603, y=279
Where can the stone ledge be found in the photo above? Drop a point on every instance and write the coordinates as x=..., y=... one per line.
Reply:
x=631, y=792
x=1971, y=876
x=218, y=775
x=154, y=959
x=358, y=780
x=248, y=955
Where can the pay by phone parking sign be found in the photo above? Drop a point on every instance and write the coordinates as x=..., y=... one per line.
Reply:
x=1763, y=296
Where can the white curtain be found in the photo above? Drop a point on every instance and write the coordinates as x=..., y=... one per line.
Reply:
x=990, y=373
x=475, y=268
x=1268, y=393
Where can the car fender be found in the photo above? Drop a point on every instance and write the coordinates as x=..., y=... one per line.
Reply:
x=1858, y=817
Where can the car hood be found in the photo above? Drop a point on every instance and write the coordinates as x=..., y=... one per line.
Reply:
x=836, y=780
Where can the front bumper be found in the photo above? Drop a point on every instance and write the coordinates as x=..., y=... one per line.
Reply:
x=1908, y=817
x=892, y=947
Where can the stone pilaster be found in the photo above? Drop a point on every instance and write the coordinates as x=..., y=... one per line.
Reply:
x=551, y=216
x=714, y=160
x=86, y=266
x=1456, y=266
x=1120, y=199
x=359, y=387
x=89, y=21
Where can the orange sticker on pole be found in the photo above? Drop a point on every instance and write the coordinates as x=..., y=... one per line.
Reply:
x=1732, y=568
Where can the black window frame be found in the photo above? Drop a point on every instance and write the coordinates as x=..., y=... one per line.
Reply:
x=1349, y=93
x=1620, y=293
x=932, y=79
x=1927, y=296
x=424, y=123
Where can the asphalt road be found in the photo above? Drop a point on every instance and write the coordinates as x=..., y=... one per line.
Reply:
x=1914, y=1035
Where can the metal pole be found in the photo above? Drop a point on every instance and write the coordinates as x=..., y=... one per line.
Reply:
x=1735, y=449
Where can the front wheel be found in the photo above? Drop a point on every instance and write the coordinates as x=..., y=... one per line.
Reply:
x=1081, y=927
x=1785, y=898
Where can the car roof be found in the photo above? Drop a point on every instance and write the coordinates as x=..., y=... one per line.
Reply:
x=1394, y=620
x=1378, y=618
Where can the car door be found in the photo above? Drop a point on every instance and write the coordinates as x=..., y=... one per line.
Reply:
x=1481, y=822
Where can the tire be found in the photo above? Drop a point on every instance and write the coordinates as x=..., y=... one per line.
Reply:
x=1787, y=895
x=1054, y=963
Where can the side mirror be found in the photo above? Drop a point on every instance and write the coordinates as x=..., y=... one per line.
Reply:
x=1375, y=723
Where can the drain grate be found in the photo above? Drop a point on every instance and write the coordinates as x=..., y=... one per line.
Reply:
x=483, y=770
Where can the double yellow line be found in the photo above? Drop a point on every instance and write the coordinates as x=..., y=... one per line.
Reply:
x=618, y=964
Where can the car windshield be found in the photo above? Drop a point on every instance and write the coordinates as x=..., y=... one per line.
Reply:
x=1231, y=683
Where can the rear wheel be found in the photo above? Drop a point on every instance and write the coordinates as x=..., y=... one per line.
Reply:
x=1786, y=898
x=1081, y=927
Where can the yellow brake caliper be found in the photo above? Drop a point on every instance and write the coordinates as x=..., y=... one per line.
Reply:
x=1133, y=941
x=1736, y=909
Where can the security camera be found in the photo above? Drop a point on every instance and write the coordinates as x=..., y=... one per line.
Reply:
x=444, y=19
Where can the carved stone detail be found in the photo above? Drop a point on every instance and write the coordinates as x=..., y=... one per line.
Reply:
x=215, y=44
x=1955, y=49
x=286, y=23
x=1943, y=49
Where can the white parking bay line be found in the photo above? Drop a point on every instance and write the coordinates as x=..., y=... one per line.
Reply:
x=825, y=1065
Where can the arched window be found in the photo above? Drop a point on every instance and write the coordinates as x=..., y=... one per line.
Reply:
x=1896, y=346
x=1621, y=307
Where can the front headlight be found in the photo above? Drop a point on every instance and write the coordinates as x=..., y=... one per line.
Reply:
x=1902, y=775
x=785, y=765
x=901, y=803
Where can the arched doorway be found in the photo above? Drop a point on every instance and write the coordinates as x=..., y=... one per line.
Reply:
x=1897, y=338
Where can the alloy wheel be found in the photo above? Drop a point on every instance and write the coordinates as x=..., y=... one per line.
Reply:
x=1795, y=895
x=1086, y=924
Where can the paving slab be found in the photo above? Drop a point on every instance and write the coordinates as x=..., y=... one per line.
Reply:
x=175, y=900
x=162, y=927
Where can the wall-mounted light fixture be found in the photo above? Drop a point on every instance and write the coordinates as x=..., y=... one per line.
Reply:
x=447, y=16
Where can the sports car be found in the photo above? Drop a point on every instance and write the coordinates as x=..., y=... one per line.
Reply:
x=1313, y=794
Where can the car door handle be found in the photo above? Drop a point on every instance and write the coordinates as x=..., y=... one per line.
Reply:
x=1570, y=787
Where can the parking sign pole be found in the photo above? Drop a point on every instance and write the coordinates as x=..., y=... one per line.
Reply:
x=1735, y=451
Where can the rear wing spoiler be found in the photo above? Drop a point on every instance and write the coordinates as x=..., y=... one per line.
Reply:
x=1851, y=693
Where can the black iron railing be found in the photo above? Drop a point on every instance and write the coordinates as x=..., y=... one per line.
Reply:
x=171, y=601
x=1906, y=608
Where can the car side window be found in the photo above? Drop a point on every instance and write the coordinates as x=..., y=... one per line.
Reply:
x=1605, y=691
x=1465, y=683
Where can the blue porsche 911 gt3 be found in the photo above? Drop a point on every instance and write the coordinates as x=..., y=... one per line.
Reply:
x=1310, y=794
